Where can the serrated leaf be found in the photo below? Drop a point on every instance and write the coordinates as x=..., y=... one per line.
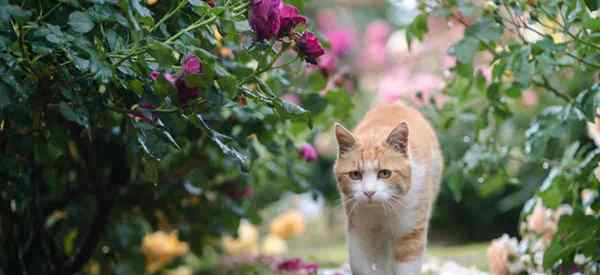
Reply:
x=80, y=22
x=162, y=53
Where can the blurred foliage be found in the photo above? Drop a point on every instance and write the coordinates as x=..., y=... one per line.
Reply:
x=510, y=153
x=96, y=154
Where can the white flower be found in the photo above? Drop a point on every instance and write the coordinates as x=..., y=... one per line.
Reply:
x=589, y=211
x=588, y=196
x=531, y=33
x=579, y=259
x=577, y=273
x=515, y=267
x=538, y=257
x=525, y=259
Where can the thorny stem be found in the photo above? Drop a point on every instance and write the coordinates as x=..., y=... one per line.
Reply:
x=181, y=4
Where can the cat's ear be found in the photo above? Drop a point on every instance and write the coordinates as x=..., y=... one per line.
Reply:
x=345, y=139
x=398, y=138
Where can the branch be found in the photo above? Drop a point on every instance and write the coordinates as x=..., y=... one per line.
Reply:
x=546, y=84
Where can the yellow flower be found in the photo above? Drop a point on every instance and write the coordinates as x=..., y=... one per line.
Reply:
x=161, y=247
x=288, y=224
x=182, y=270
x=151, y=2
x=273, y=245
x=508, y=76
x=554, y=29
x=245, y=244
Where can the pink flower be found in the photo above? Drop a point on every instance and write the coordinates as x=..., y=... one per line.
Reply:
x=342, y=40
x=192, y=65
x=537, y=221
x=308, y=152
x=326, y=19
x=327, y=63
x=171, y=78
x=498, y=253
x=290, y=265
x=448, y=62
x=291, y=98
x=529, y=98
x=154, y=75
x=265, y=18
x=377, y=32
x=308, y=46
x=297, y=264
x=290, y=17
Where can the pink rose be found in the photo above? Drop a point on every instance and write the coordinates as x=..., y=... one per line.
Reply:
x=308, y=152
x=342, y=40
x=290, y=17
x=291, y=98
x=192, y=65
x=327, y=63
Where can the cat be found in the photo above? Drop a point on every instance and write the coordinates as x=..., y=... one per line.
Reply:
x=388, y=173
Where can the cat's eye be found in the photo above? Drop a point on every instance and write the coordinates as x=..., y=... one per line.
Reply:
x=384, y=174
x=355, y=175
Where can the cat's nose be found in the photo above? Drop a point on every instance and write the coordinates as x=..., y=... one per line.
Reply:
x=369, y=194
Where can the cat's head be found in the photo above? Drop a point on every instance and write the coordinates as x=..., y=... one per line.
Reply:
x=372, y=168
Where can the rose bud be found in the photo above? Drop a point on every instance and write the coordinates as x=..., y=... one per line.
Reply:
x=308, y=152
x=309, y=48
x=290, y=17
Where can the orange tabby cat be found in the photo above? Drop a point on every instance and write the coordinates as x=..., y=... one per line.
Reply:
x=388, y=172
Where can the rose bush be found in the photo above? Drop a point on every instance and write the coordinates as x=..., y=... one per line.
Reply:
x=521, y=150
x=123, y=118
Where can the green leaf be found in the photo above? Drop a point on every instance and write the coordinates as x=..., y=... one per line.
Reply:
x=317, y=81
x=417, y=29
x=465, y=49
x=80, y=22
x=4, y=98
x=485, y=30
x=588, y=101
x=592, y=24
x=162, y=53
x=150, y=170
x=163, y=87
x=78, y=115
x=157, y=143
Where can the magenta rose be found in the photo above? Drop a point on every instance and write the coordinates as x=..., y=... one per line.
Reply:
x=308, y=152
x=327, y=64
x=191, y=65
x=290, y=17
x=265, y=18
x=309, y=48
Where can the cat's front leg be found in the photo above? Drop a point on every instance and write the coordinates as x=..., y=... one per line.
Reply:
x=411, y=267
x=359, y=260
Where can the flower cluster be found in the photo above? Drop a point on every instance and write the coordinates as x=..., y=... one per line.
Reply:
x=283, y=227
x=191, y=65
x=160, y=248
x=509, y=256
x=273, y=19
x=297, y=267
